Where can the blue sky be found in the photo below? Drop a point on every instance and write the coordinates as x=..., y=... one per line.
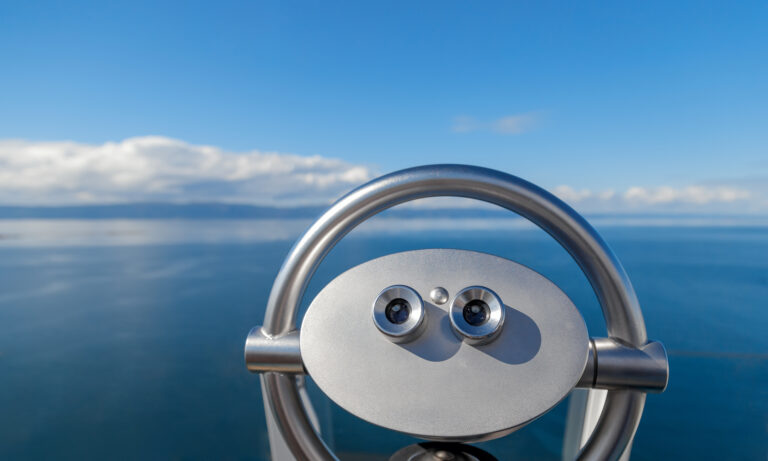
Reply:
x=582, y=97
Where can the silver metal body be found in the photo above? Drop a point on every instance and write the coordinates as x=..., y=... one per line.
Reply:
x=264, y=353
x=621, y=367
x=439, y=295
x=439, y=387
x=584, y=408
x=623, y=407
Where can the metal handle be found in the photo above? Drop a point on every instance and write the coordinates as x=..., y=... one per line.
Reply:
x=623, y=408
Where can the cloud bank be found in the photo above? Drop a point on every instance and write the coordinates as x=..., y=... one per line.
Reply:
x=160, y=169
x=155, y=168
x=695, y=198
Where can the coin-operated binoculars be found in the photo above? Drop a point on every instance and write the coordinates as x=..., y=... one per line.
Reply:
x=449, y=345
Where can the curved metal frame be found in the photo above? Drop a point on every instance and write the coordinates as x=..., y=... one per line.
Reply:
x=623, y=408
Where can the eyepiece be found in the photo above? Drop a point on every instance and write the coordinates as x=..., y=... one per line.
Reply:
x=477, y=315
x=398, y=312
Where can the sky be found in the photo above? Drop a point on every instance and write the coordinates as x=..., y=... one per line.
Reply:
x=614, y=106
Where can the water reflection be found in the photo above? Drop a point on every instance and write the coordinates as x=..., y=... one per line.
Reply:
x=123, y=338
x=120, y=232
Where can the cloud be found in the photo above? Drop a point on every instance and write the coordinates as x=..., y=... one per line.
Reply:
x=704, y=198
x=700, y=195
x=509, y=125
x=514, y=124
x=160, y=169
x=463, y=124
x=154, y=168
x=569, y=194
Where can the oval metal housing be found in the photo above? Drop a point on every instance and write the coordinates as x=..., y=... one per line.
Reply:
x=437, y=386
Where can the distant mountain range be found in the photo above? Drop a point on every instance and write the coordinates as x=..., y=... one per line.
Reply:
x=156, y=211
x=213, y=211
x=238, y=211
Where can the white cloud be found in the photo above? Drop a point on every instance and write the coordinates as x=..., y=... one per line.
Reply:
x=514, y=124
x=160, y=169
x=700, y=195
x=714, y=197
x=569, y=194
x=154, y=168
x=510, y=124
x=464, y=124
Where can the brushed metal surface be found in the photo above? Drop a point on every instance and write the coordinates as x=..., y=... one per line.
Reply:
x=437, y=386
x=623, y=367
x=282, y=354
x=613, y=366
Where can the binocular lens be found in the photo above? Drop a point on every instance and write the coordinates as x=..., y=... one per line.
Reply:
x=476, y=312
x=477, y=315
x=397, y=311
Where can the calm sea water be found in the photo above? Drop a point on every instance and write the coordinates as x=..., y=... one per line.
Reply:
x=123, y=339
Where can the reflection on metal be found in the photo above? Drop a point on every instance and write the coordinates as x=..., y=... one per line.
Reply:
x=613, y=365
x=441, y=451
x=281, y=354
x=588, y=378
x=623, y=405
x=439, y=295
x=584, y=408
x=278, y=448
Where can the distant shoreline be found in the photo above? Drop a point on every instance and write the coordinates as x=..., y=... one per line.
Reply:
x=206, y=211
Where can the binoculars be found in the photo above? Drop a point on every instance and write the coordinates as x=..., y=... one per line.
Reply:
x=452, y=346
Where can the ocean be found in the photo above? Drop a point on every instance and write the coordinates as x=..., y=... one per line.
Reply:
x=123, y=339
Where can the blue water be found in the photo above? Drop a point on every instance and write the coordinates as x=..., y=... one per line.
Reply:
x=119, y=344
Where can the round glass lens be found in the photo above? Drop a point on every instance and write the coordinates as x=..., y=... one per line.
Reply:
x=476, y=312
x=397, y=311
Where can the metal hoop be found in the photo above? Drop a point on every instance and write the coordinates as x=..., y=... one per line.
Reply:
x=623, y=409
